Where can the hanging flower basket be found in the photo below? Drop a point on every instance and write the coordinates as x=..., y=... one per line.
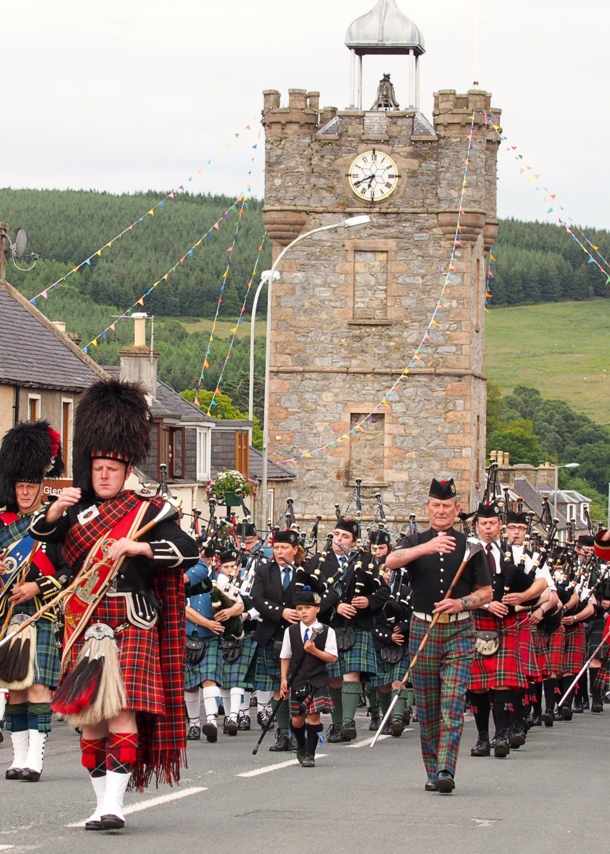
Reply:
x=230, y=487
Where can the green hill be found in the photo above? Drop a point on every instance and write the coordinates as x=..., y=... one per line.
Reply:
x=562, y=349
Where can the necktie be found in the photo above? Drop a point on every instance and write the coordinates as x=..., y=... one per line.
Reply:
x=306, y=636
x=285, y=578
x=490, y=558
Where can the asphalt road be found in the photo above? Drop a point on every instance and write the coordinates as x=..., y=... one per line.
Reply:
x=550, y=795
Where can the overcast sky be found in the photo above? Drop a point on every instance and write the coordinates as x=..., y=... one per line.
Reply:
x=123, y=95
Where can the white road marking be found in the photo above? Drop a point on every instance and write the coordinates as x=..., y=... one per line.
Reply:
x=153, y=802
x=367, y=742
x=6, y=847
x=276, y=767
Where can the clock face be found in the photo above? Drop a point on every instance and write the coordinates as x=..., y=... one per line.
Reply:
x=373, y=176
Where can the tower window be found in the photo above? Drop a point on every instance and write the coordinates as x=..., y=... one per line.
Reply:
x=370, y=285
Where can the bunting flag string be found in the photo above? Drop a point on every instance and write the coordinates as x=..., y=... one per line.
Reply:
x=548, y=198
x=149, y=213
x=223, y=283
x=427, y=338
x=240, y=320
x=188, y=254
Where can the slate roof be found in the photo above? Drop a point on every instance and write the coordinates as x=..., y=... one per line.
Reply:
x=168, y=403
x=274, y=472
x=533, y=499
x=35, y=354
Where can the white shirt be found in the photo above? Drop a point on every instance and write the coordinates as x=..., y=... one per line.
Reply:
x=330, y=645
x=541, y=571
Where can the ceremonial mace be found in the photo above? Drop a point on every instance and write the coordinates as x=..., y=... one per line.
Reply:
x=472, y=547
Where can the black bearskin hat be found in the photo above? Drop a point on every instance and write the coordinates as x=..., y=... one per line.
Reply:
x=30, y=452
x=113, y=421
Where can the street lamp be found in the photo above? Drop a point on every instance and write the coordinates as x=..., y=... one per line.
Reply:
x=352, y=222
x=264, y=279
x=567, y=466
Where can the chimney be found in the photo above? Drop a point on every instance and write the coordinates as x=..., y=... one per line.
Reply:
x=139, y=362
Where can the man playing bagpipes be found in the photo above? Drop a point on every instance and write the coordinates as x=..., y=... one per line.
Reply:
x=123, y=655
x=30, y=575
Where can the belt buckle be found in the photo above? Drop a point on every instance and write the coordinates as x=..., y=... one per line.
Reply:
x=444, y=618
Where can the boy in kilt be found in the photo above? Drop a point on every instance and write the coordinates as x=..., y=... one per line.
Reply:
x=307, y=648
x=440, y=676
x=358, y=595
x=30, y=576
x=126, y=613
x=498, y=668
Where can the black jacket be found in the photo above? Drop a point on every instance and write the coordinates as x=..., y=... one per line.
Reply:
x=270, y=599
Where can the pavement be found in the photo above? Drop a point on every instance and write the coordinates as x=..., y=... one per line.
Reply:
x=549, y=795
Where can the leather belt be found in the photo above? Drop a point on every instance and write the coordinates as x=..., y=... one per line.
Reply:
x=443, y=618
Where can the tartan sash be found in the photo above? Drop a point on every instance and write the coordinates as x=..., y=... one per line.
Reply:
x=81, y=604
x=13, y=530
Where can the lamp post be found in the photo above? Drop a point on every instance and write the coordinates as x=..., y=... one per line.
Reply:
x=352, y=222
x=264, y=279
x=567, y=466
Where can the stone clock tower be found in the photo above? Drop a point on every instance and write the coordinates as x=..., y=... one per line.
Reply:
x=351, y=306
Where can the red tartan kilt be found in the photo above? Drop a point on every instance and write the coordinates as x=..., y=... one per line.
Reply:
x=138, y=657
x=574, y=650
x=527, y=650
x=503, y=668
x=549, y=652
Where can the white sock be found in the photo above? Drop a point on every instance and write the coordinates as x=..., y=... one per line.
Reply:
x=210, y=703
x=245, y=703
x=192, y=700
x=114, y=793
x=99, y=787
x=263, y=699
x=235, y=702
x=3, y=696
x=35, y=758
x=20, y=748
x=225, y=699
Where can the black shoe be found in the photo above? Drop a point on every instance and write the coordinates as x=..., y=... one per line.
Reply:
x=516, y=736
x=243, y=722
x=253, y=702
x=230, y=726
x=482, y=747
x=348, y=731
x=502, y=746
x=29, y=776
x=282, y=743
x=300, y=755
x=93, y=825
x=566, y=713
x=537, y=720
x=387, y=728
x=397, y=727
x=12, y=773
x=431, y=785
x=333, y=734
x=577, y=706
x=596, y=707
x=294, y=745
x=210, y=731
x=406, y=715
x=585, y=705
x=308, y=761
x=263, y=717
x=557, y=715
x=375, y=721
x=445, y=782
x=547, y=717
x=493, y=741
x=111, y=822
x=194, y=733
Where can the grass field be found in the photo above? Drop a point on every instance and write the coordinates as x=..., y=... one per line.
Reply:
x=223, y=327
x=562, y=349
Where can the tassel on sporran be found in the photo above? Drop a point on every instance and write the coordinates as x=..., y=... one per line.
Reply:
x=18, y=657
x=94, y=690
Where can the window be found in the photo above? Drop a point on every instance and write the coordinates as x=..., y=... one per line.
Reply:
x=571, y=515
x=271, y=506
x=242, y=452
x=203, y=444
x=177, y=438
x=584, y=512
x=171, y=450
x=370, y=285
x=67, y=409
x=34, y=408
x=366, y=458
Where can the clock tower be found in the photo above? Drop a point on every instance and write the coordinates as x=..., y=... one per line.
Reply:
x=352, y=305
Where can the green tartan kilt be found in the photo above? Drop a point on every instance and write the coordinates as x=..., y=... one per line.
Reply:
x=209, y=668
x=361, y=658
x=267, y=671
x=388, y=673
x=596, y=634
x=240, y=673
x=46, y=666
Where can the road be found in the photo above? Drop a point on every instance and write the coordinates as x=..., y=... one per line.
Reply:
x=550, y=795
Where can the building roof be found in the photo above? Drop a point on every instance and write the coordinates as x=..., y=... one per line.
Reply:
x=533, y=498
x=384, y=30
x=34, y=353
x=169, y=404
x=274, y=471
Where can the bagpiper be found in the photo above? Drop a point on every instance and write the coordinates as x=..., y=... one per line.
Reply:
x=31, y=574
x=123, y=651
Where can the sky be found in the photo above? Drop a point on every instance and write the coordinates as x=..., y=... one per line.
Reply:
x=128, y=95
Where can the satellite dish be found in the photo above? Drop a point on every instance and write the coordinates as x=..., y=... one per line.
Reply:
x=21, y=241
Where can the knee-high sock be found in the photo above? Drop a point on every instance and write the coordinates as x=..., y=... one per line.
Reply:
x=583, y=687
x=282, y=717
x=245, y=703
x=384, y=702
x=299, y=734
x=17, y=725
x=337, y=697
x=373, y=695
x=311, y=737
x=263, y=699
x=481, y=707
x=211, y=695
x=235, y=702
x=121, y=752
x=516, y=716
x=502, y=708
x=192, y=701
x=537, y=704
x=350, y=696
x=550, y=686
x=399, y=706
x=3, y=700
x=225, y=699
x=595, y=684
x=566, y=681
x=409, y=696
x=93, y=756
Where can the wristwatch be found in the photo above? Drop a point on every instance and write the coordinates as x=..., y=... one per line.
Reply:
x=487, y=605
x=465, y=603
